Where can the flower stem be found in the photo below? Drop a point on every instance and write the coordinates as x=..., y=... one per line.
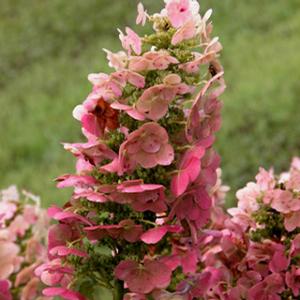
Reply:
x=118, y=291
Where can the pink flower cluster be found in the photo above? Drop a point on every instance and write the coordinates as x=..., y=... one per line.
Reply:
x=146, y=176
x=255, y=252
x=23, y=229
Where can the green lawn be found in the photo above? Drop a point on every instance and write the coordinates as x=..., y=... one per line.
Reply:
x=48, y=47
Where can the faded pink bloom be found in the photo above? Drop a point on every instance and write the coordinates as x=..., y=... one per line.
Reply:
x=285, y=202
x=207, y=57
x=131, y=111
x=31, y=290
x=131, y=41
x=160, y=60
x=7, y=211
x=116, y=60
x=247, y=199
x=10, y=194
x=292, y=221
x=143, y=278
x=154, y=102
x=152, y=60
x=10, y=261
x=148, y=146
x=179, y=11
x=265, y=179
x=268, y=289
x=142, y=15
x=25, y=274
x=186, y=32
x=126, y=229
x=292, y=280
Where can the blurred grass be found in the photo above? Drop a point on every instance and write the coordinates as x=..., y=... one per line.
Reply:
x=48, y=47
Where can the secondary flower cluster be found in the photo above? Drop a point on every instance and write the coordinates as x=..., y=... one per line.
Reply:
x=23, y=229
x=255, y=252
x=146, y=175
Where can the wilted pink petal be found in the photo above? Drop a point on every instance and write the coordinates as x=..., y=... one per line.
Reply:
x=186, y=32
x=62, y=292
x=131, y=41
x=154, y=235
x=61, y=251
x=142, y=15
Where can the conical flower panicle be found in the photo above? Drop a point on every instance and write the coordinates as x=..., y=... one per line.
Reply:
x=143, y=187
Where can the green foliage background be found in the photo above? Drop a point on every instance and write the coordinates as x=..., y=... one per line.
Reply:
x=49, y=46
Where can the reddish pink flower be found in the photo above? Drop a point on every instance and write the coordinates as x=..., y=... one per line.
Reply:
x=197, y=286
x=63, y=292
x=148, y=147
x=154, y=235
x=60, y=235
x=62, y=251
x=292, y=280
x=141, y=196
x=143, y=278
x=126, y=229
x=185, y=255
x=80, y=181
x=54, y=273
x=131, y=41
x=268, y=289
x=65, y=216
x=96, y=115
x=5, y=290
x=193, y=205
x=189, y=168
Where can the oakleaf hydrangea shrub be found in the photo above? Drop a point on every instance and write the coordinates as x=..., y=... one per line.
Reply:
x=147, y=174
x=23, y=232
x=256, y=247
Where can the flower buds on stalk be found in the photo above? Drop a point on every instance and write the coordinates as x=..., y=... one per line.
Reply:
x=143, y=190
